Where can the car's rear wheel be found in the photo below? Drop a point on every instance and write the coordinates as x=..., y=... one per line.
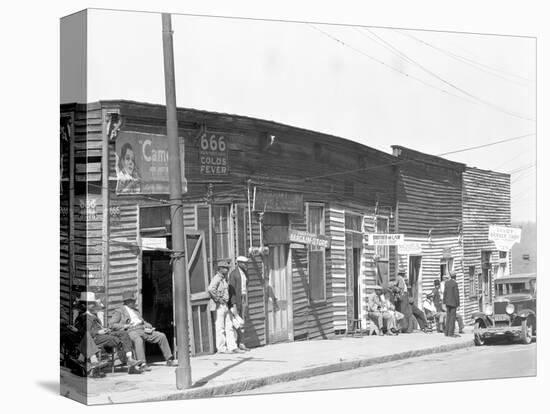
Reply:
x=526, y=331
x=479, y=340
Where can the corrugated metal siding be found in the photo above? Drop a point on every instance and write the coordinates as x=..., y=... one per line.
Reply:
x=336, y=231
x=64, y=283
x=368, y=268
x=486, y=200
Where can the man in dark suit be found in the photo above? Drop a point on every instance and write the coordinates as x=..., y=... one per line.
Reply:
x=128, y=318
x=451, y=299
x=238, y=296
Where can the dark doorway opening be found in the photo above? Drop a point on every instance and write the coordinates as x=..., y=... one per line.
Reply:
x=157, y=300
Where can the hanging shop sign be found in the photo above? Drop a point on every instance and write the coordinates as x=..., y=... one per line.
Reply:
x=142, y=164
x=213, y=154
x=153, y=243
x=504, y=237
x=277, y=201
x=412, y=248
x=386, y=239
x=309, y=239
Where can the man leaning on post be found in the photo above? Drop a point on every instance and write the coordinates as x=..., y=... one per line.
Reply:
x=127, y=317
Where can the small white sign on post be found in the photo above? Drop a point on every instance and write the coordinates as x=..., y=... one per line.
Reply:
x=504, y=237
x=386, y=239
x=153, y=243
x=413, y=248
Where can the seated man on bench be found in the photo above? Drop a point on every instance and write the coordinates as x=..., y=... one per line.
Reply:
x=379, y=313
x=127, y=318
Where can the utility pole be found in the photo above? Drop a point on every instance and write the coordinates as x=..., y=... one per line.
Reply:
x=183, y=370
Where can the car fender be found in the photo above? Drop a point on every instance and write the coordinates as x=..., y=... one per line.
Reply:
x=480, y=316
x=525, y=313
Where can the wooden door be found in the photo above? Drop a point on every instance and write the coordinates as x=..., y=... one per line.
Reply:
x=200, y=323
x=278, y=294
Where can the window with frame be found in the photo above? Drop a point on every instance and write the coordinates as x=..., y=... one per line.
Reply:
x=214, y=221
x=220, y=232
x=382, y=227
x=316, y=255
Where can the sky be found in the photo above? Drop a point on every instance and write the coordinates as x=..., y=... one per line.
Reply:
x=436, y=92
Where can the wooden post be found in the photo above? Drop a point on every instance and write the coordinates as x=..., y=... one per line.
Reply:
x=105, y=212
x=183, y=371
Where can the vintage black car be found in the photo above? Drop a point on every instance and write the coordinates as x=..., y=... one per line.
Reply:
x=512, y=314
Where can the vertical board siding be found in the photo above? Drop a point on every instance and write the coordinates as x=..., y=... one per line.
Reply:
x=336, y=231
x=486, y=200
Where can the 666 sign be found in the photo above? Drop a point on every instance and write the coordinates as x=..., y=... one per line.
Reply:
x=213, y=154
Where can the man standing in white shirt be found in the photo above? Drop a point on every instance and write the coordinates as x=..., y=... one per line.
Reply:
x=238, y=297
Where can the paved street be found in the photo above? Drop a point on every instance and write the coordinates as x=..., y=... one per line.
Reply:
x=496, y=361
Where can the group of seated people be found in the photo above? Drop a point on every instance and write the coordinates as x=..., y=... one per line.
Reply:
x=86, y=337
x=393, y=309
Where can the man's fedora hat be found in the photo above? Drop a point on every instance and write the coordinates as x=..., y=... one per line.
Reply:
x=128, y=295
x=224, y=263
x=242, y=259
x=87, y=297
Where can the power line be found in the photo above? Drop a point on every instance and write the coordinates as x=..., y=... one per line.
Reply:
x=450, y=84
x=471, y=62
x=390, y=67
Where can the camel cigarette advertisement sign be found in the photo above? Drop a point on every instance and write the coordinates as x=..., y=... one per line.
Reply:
x=142, y=164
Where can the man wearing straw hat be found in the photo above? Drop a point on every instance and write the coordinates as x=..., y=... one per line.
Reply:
x=88, y=321
x=218, y=289
x=238, y=299
x=378, y=312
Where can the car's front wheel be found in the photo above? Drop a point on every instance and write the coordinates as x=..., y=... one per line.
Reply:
x=526, y=331
x=479, y=340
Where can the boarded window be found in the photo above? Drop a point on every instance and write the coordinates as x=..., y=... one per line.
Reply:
x=316, y=255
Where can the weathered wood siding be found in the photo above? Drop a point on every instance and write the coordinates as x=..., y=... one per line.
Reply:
x=429, y=197
x=336, y=231
x=486, y=201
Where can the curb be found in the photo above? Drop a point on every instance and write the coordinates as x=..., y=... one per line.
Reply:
x=241, y=386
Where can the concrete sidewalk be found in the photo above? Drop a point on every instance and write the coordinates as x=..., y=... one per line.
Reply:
x=217, y=375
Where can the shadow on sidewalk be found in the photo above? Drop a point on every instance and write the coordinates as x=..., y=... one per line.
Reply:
x=204, y=381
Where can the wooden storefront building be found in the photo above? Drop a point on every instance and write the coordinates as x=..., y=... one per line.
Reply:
x=444, y=210
x=284, y=191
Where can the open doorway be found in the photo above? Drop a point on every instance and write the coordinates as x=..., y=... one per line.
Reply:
x=156, y=293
